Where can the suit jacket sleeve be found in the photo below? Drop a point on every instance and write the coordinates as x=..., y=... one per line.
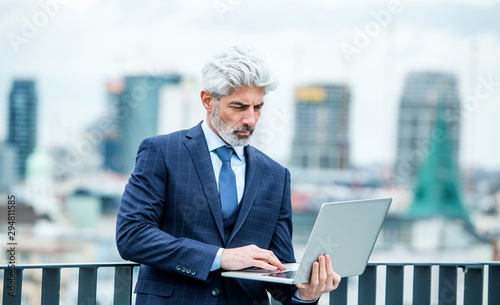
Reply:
x=138, y=234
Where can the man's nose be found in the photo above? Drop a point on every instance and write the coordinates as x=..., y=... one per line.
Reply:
x=250, y=118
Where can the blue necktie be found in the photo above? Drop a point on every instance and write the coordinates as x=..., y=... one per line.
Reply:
x=227, y=182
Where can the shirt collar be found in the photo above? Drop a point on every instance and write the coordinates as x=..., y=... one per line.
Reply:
x=214, y=141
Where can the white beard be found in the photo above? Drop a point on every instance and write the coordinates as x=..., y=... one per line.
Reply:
x=227, y=133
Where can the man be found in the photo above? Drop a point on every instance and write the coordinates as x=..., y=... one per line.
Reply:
x=202, y=200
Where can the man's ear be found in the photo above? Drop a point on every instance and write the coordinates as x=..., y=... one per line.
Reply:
x=207, y=100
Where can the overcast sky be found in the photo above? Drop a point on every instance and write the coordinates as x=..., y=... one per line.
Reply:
x=80, y=44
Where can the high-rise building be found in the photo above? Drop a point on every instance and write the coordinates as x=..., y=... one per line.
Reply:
x=417, y=135
x=7, y=167
x=180, y=106
x=321, y=137
x=112, y=159
x=135, y=117
x=22, y=129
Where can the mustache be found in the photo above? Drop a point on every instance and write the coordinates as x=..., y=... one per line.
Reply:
x=244, y=128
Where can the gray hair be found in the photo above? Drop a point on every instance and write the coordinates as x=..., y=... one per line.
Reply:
x=234, y=68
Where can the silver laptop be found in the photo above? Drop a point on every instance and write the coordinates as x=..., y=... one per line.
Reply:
x=346, y=230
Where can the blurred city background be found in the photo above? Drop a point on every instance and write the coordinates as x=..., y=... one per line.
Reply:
x=376, y=98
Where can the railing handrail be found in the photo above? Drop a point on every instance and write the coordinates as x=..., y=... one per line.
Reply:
x=133, y=264
x=435, y=263
x=71, y=265
x=481, y=282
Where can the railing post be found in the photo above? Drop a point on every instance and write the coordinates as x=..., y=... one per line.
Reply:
x=421, y=285
x=339, y=295
x=447, y=285
x=12, y=283
x=394, y=285
x=473, y=286
x=493, y=284
x=87, y=286
x=123, y=285
x=367, y=286
x=51, y=286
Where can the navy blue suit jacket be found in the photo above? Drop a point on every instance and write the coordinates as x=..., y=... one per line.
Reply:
x=170, y=221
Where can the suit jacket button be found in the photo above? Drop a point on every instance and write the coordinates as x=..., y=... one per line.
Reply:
x=178, y=267
x=193, y=272
x=188, y=270
x=183, y=268
x=215, y=292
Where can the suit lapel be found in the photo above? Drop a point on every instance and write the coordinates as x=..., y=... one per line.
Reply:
x=252, y=180
x=197, y=146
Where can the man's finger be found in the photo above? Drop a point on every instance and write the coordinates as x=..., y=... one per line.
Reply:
x=336, y=280
x=330, y=280
x=329, y=270
x=265, y=265
x=328, y=262
x=322, y=270
x=315, y=274
x=268, y=256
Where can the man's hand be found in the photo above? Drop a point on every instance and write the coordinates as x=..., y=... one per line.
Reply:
x=249, y=256
x=323, y=280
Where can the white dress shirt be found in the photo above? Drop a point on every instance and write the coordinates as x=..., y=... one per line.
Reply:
x=238, y=161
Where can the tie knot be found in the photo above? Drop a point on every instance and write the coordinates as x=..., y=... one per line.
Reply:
x=224, y=153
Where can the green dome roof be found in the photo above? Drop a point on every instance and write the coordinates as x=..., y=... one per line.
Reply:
x=39, y=164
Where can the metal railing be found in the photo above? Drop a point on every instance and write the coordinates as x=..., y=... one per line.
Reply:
x=479, y=283
x=87, y=283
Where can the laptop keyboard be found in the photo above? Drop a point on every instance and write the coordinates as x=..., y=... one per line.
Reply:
x=284, y=274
